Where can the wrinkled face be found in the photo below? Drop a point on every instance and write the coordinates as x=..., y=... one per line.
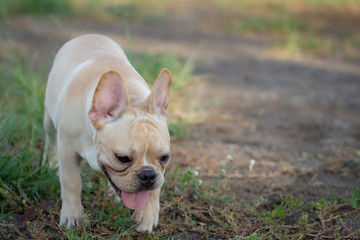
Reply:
x=134, y=151
x=132, y=139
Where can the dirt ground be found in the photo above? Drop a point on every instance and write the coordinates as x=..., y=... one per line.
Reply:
x=298, y=119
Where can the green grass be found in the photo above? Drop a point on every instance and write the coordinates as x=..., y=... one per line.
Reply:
x=149, y=66
x=95, y=9
x=305, y=27
x=35, y=7
x=21, y=106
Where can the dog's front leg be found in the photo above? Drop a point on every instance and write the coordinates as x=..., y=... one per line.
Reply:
x=148, y=217
x=70, y=180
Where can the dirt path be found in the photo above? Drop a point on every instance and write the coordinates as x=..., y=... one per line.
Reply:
x=299, y=120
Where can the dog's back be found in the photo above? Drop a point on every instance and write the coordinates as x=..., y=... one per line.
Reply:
x=78, y=67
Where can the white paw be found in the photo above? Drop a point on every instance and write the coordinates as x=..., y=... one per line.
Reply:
x=71, y=217
x=113, y=193
x=147, y=218
x=117, y=199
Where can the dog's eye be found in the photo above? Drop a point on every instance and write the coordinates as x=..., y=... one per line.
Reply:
x=164, y=158
x=123, y=159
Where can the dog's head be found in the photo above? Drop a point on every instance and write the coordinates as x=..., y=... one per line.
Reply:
x=133, y=142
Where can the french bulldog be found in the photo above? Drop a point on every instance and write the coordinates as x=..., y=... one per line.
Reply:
x=99, y=108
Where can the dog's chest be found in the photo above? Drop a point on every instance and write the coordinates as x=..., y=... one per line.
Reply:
x=90, y=154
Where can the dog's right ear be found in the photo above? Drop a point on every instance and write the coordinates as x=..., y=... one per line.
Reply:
x=110, y=100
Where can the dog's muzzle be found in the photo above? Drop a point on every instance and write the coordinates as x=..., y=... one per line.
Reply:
x=147, y=178
x=139, y=199
x=117, y=190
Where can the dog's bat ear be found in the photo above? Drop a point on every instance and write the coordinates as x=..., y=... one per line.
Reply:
x=160, y=95
x=110, y=99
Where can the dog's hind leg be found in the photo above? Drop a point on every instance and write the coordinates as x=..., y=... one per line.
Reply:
x=50, y=149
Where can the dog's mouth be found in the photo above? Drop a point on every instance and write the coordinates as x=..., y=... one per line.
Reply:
x=132, y=200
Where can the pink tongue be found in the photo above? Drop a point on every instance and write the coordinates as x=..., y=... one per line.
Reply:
x=136, y=200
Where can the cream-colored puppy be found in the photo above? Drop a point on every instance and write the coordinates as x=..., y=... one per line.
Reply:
x=98, y=108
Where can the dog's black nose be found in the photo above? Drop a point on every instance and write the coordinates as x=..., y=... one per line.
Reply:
x=147, y=178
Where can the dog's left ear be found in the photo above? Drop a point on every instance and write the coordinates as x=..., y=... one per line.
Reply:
x=160, y=95
x=110, y=100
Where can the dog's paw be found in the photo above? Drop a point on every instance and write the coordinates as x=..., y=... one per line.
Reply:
x=117, y=199
x=113, y=193
x=71, y=217
x=146, y=219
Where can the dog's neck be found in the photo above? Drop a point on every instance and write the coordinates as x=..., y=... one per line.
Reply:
x=89, y=126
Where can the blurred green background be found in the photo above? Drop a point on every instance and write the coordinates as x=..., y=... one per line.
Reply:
x=318, y=28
